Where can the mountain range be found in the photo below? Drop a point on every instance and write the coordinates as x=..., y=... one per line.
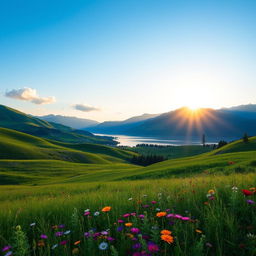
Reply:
x=221, y=123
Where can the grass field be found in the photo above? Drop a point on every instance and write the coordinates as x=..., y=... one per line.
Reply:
x=56, y=206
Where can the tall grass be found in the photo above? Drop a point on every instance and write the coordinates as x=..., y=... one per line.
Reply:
x=223, y=226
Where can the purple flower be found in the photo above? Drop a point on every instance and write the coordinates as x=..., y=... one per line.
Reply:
x=145, y=206
x=61, y=226
x=119, y=229
x=109, y=238
x=104, y=233
x=6, y=248
x=8, y=253
x=59, y=233
x=87, y=234
x=136, y=246
x=141, y=216
x=120, y=221
x=250, y=201
x=43, y=236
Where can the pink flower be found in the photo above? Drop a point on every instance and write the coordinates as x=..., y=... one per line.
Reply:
x=86, y=213
x=135, y=230
x=153, y=247
x=153, y=202
x=126, y=215
x=120, y=221
x=185, y=218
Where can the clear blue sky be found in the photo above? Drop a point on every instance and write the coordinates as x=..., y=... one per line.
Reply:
x=127, y=57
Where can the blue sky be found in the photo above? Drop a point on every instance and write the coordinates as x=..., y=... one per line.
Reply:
x=122, y=58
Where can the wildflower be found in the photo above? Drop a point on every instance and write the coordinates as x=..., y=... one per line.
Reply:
x=32, y=224
x=64, y=242
x=54, y=246
x=153, y=202
x=119, y=229
x=247, y=192
x=106, y=209
x=135, y=230
x=96, y=214
x=152, y=247
x=109, y=238
x=61, y=226
x=87, y=213
x=141, y=216
x=133, y=214
x=211, y=191
x=185, y=218
x=126, y=215
x=128, y=224
x=87, y=210
x=6, y=248
x=250, y=202
x=199, y=231
x=75, y=251
x=55, y=227
x=166, y=232
x=43, y=236
x=208, y=245
x=161, y=214
x=136, y=246
x=251, y=236
x=59, y=233
x=77, y=242
x=130, y=199
x=103, y=246
x=67, y=232
x=120, y=221
x=158, y=209
x=8, y=253
x=145, y=206
x=253, y=190
x=41, y=243
x=167, y=238
x=105, y=233
x=234, y=189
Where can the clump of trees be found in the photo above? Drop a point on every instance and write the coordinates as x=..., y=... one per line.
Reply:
x=147, y=160
x=221, y=143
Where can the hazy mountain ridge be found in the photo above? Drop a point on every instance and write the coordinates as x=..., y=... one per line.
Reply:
x=71, y=121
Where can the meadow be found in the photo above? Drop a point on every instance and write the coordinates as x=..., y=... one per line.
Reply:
x=197, y=205
x=205, y=215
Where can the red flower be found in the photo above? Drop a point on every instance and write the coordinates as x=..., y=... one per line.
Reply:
x=247, y=192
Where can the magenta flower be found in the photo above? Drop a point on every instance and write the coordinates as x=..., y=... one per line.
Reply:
x=153, y=202
x=6, y=248
x=109, y=238
x=185, y=218
x=43, y=236
x=64, y=242
x=120, y=221
x=61, y=226
x=87, y=213
x=135, y=230
x=126, y=215
x=141, y=216
x=59, y=233
x=152, y=247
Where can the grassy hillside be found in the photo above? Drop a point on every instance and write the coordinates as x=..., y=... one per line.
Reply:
x=14, y=119
x=17, y=145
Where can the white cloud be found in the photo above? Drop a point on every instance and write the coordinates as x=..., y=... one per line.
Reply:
x=29, y=94
x=85, y=108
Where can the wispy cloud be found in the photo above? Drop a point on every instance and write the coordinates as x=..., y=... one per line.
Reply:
x=85, y=108
x=29, y=94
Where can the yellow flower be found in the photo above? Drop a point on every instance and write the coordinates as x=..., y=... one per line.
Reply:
x=165, y=232
x=167, y=238
x=161, y=214
x=106, y=209
x=128, y=224
x=211, y=191
x=130, y=235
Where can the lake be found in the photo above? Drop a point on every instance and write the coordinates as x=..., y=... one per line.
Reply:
x=126, y=140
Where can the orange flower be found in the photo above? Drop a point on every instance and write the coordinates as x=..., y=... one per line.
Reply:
x=128, y=224
x=165, y=232
x=77, y=242
x=167, y=238
x=199, y=231
x=161, y=214
x=130, y=235
x=41, y=243
x=106, y=209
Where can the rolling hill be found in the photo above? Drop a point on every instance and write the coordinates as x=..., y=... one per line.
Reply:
x=14, y=119
x=22, y=146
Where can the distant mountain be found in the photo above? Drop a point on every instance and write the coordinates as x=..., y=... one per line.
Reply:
x=14, y=119
x=73, y=122
x=121, y=127
x=222, y=123
x=183, y=123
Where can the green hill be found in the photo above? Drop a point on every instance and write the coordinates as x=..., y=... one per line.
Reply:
x=14, y=119
x=18, y=145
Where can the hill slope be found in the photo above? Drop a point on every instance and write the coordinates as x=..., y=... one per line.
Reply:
x=14, y=119
x=18, y=145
